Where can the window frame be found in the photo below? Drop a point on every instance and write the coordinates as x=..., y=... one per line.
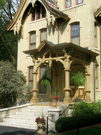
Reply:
x=68, y=6
x=96, y=36
x=45, y=29
x=29, y=75
x=30, y=39
x=36, y=15
x=40, y=80
x=96, y=76
x=76, y=35
x=78, y=3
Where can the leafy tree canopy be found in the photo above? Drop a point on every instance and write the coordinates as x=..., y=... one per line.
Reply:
x=8, y=41
x=12, y=85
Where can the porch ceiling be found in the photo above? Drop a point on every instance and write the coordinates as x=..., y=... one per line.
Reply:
x=58, y=49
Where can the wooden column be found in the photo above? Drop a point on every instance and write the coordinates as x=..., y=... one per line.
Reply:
x=87, y=98
x=35, y=90
x=67, y=88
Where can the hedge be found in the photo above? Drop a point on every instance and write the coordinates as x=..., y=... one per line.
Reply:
x=69, y=123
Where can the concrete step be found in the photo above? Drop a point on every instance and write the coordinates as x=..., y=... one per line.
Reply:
x=26, y=126
x=25, y=117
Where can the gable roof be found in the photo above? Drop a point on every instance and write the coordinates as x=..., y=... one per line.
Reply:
x=17, y=20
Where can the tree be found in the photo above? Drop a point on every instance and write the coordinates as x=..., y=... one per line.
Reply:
x=8, y=41
x=12, y=85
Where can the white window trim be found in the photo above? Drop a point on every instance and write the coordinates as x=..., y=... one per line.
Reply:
x=37, y=20
x=73, y=6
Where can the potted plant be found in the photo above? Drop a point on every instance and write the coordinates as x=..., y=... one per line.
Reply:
x=78, y=79
x=53, y=97
x=41, y=125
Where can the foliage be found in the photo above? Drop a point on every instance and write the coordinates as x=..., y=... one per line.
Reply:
x=95, y=130
x=8, y=41
x=46, y=81
x=12, y=85
x=69, y=123
x=53, y=95
x=40, y=123
x=78, y=79
x=82, y=108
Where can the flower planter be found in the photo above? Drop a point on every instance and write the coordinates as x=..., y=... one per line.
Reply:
x=54, y=103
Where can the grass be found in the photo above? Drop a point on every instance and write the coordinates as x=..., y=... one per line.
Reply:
x=88, y=131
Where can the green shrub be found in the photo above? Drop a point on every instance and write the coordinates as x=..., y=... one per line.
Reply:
x=12, y=85
x=78, y=79
x=75, y=122
x=82, y=108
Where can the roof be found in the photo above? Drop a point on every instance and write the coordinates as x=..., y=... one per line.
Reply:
x=24, y=4
x=70, y=47
x=97, y=13
x=52, y=3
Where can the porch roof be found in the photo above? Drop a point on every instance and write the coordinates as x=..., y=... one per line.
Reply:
x=58, y=48
x=97, y=13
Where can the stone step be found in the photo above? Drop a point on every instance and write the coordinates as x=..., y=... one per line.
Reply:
x=23, y=121
x=26, y=126
x=25, y=117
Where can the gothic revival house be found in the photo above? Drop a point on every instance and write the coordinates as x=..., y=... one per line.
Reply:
x=58, y=38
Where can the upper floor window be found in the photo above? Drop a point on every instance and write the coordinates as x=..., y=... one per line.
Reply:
x=95, y=35
x=79, y=1
x=30, y=80
x=32, y=40
x=75, y=34
x=38, y=12
x=68, y=3
x=43, y=35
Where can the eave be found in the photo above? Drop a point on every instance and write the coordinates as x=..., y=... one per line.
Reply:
x=97, y=13
x=59, y=48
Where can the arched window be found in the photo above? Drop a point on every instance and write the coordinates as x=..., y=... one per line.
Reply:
x=75, y=33
x=68, y=3
x=79, y=1
x=96, y=76
x=43, y=35
x=32, y=40
x=95, y=35
x=38, y=12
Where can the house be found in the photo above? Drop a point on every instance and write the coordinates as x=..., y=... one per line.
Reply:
x=58, y=38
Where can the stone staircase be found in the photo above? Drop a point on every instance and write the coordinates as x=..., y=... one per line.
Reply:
x=25, y=117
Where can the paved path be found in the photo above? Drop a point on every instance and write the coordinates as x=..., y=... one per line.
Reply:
x=16, y=131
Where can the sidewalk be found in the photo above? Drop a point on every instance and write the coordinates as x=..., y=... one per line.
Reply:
x=16, y=131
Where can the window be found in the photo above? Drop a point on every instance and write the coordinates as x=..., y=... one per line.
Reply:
x=38, y=11
x=75, y=34
x=95, y=36
x=96, y=76
x=42, y=73
x=68, y=3
x=32, y=40
x=30, y=81
x=79, y=1
x=43, y=35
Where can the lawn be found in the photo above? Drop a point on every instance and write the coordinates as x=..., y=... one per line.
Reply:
x=87, y=131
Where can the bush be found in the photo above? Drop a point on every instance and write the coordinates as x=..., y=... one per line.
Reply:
x=12, y=85
x=83, y=108
x=75, y=122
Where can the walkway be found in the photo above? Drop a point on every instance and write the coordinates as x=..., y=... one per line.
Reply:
x=16, y=131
